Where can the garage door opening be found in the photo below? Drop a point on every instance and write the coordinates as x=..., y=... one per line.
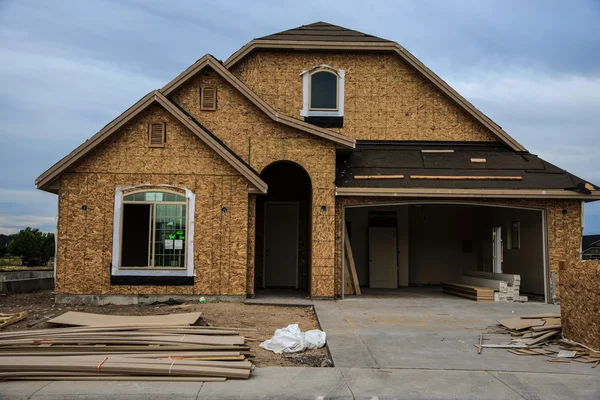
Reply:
x=423, y=245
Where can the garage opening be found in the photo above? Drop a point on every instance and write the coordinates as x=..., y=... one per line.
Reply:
x=424, y=245
x=283, y=229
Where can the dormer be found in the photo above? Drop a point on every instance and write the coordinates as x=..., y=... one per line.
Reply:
x=323, y=96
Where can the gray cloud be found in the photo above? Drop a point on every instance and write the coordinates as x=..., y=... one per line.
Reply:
x=70, y=67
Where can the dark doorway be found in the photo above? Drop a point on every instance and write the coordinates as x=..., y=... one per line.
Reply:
x=136, y=232
x=283, y=228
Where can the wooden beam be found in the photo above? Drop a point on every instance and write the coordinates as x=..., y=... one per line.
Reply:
x=378, y=176
x=467, y=193
x=351, y=265
x=437, y=151
x=468, y=177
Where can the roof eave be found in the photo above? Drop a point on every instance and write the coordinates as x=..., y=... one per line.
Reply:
x=467, y=193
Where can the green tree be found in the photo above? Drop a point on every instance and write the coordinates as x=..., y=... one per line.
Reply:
x=47, y=248
x=27, y=243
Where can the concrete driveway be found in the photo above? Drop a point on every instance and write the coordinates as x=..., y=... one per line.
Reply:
x=427, y=329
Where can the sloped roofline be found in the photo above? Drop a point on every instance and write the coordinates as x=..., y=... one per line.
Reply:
x=44, y=181
x=209, y=61
x=467, y=193
x=375, y=47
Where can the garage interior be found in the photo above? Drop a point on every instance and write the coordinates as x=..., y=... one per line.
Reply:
x=423, y=245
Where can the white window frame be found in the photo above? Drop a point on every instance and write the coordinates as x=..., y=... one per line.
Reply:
x=306, y=110
x=117, y=235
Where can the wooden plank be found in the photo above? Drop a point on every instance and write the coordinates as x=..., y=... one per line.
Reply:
x=467, y=177
x=545, y=327
x=512, y=279
x=542, y=338
x=43, y=376
x=501, y=286
x=350, y=258
x=519, y=324
x=437, y=151
x=537, y=316
x=467, y=296
x=378, y=177
x=88, y=319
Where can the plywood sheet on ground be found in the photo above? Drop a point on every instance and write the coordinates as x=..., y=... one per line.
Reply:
x=518, y=323
x=89, y=319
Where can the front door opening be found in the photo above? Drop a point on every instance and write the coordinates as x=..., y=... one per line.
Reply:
x=283, y=229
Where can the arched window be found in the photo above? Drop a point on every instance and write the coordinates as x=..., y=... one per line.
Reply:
x=323, y=96
x=323, y=90
x=153, y=230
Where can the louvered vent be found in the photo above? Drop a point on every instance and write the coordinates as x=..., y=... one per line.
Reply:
x=209, y=99
x=157, y=135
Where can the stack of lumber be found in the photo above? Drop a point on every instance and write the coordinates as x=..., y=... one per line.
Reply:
x=509, y=293
x=170, y=351
x=9, y=319
x=467, y=291
x=540, y=335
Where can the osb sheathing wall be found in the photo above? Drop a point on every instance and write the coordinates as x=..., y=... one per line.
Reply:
x=260, y=142
x=578, y=281
x=85, y=236
x=385, y=98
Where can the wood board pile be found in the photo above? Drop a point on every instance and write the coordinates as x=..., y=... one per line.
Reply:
x=508, y=290
x=468, y=291
x=126, y=351
x=540, y=335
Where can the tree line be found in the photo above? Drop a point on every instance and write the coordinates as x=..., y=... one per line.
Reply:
x=29, y=243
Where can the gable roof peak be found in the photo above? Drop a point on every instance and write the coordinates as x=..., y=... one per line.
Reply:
x=323, y=32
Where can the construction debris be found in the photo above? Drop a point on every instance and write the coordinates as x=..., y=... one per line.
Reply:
x=126, y=351
x=539, y=335
x=486, y=286
x=9, y=319
x=468, y=291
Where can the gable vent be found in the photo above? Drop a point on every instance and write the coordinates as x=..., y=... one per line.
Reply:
x=157, y=134
x=208, y=99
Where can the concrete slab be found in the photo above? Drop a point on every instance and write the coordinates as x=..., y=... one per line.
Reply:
x=426, y=329
x=425, y=384
x=20, y=390
x=344, y=344
x=279, y=383
x=118, y=390
x=552, y=386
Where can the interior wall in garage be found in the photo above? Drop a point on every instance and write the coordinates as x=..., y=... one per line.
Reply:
x=528, y=260
x=359, y=240
x=442, y=243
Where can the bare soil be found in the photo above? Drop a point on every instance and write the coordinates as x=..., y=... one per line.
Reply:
x=265, y=319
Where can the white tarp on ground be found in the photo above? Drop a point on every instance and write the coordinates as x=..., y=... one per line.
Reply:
x=293, y=340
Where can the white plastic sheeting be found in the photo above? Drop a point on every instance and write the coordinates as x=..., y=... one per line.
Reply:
x=293, y=340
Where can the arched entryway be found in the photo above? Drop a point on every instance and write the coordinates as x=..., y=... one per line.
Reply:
x=283, y=228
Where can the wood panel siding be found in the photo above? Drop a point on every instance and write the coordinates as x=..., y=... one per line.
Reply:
x=385, y=98
x=85, y=236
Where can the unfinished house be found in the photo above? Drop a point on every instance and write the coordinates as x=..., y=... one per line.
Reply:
x=255, y=172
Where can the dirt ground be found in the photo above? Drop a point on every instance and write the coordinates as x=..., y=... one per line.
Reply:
x=265, y=319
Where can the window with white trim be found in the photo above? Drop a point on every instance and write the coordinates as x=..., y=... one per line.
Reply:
x=323, y=92
x=153, y=230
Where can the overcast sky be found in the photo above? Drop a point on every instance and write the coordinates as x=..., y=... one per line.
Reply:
x=70, y=67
